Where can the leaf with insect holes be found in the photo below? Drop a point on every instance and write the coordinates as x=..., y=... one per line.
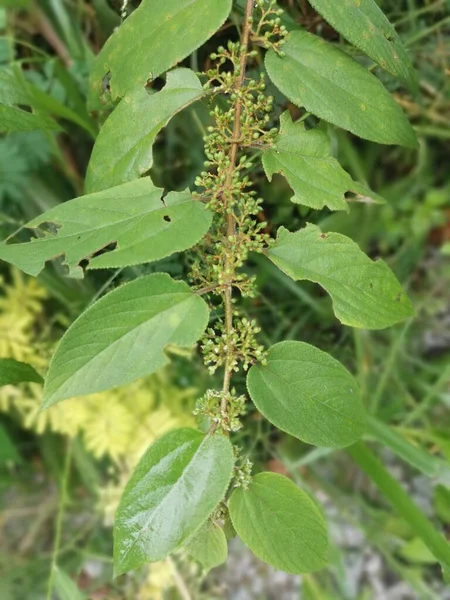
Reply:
x=316, y=178
x=123, y=336
x=280, y=524
x=13, y=372
x=133, y=217
x=309, y=394
x=14, y=91
x=175, y=487
x=156, y=36
x=124, y=148
x=363, y=23
x=365, y=293
x=333, y=86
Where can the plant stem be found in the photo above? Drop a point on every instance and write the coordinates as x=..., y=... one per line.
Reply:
x=61, y=505
x=231, y=222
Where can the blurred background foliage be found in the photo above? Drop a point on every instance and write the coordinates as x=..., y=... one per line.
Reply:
x=62, y=471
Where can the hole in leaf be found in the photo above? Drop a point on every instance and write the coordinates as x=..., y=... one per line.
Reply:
x=108, y=248
x=106, y=82
x=167, y=218
x=156, y=84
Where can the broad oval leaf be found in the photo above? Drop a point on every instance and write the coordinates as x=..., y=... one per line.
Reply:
x=365, y=293
x=309, y=394
x=123, y=337
x=208, y=546
x=364, y=24
x=304, y=158
x=124, y=148
x=133, y=218
x=175, y=487
x=280, y=524
x=333, y=86
x=13, y=372
x=156, y=36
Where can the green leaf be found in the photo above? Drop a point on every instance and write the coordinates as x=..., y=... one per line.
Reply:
x=123, y=337
x=401, y=501
x=415, y=551
x=364, y=24
x=8, y=450
x=365, y=293
x=134, y=217
x=309, y=394
x=65, y=587
x=442, y=503
x=303, y=157
x=333, y=86
x=13, y=372
x=177, y=484
x=123, y=150
x=16, y=119
x=153, y=38
x=208, y=546
x=14, y=90
x=280, y=524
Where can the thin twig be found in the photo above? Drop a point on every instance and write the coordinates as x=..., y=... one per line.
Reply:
x=47, y=31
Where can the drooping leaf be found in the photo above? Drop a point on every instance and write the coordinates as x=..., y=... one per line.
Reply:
x=208, y=546
x=123, y=150
x=153, y=38
x=303, y=157
x=364, y=24
x=365, y=293
x=280, y=524
x=13, y=372
x=309, y=394
x=172, y=492
x=133, y=217
x=123, y=337
x=333, y=86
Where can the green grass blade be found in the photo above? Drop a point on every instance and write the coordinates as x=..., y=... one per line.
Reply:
x=397, y=496
x=427, y=464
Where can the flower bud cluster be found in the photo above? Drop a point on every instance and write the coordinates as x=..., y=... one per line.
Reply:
x=236, y=348
x=242, y=470
x=269, y=26
x=210, y=406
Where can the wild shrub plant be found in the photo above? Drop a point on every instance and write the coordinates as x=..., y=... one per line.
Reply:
x=193, y=488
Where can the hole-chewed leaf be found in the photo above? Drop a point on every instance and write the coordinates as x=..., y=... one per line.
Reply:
x=153, y=38
x=122, y=226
